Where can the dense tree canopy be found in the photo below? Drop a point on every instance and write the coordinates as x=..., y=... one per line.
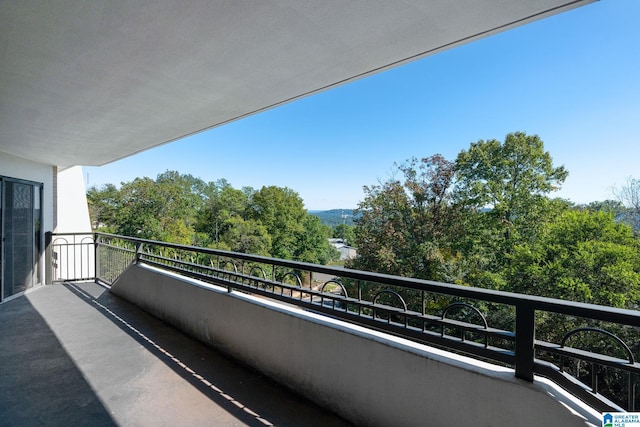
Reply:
x=162, y=209
x=487, y=220
x=404, y=226
x=224, y=206
x=344, y=232
x=582, y=256
x=510, y=180
x=282, y=213
x=312, y=244
x=182, y=209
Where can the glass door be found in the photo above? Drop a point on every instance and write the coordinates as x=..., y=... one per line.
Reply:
x=21, y=241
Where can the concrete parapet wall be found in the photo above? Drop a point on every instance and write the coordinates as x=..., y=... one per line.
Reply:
x=367, y=377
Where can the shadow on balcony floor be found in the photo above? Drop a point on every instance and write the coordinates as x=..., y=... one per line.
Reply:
x=76, y=355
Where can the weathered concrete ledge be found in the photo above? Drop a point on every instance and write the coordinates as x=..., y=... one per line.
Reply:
x=367, y=377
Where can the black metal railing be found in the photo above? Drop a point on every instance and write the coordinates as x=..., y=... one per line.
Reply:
x=71, y=257
x=587, y=349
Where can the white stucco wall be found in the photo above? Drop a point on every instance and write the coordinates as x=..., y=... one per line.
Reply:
x=15, y=167
x=73, y=213
x=369, y=378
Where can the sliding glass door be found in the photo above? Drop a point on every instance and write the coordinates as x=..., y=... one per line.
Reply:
x=21, y=243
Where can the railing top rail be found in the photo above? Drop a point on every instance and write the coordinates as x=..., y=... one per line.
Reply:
x=76, y=233
x=418, y=312
x=591, y=311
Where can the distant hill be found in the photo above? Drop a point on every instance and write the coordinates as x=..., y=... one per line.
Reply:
x=334, y=217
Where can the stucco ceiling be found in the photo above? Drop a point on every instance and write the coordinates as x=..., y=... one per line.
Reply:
x=89, y=82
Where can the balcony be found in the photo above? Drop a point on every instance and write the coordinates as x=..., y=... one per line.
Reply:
x=94, y=359
x=375, y=349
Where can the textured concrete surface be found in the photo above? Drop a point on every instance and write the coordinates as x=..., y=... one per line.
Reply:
x=76, y=355
x=368, y=377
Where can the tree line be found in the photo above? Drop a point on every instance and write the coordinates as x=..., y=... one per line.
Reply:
x=487, y=219
x=178, y=208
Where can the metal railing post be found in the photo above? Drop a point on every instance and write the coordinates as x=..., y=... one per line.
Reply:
x=525, y=341
x=138, y=250
x=96, y=257
x=48, y=263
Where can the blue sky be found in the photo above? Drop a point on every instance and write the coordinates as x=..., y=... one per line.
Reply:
x=573, y=79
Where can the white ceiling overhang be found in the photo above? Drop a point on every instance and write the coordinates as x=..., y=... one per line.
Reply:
x=89, y=82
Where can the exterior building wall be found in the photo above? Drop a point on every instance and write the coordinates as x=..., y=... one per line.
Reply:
x=15, y=167
x=64, y=204
x=21, y=169
x=347, y=252
x=73, y=217
x=73, y=212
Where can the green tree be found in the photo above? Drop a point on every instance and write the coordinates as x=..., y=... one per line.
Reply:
x=281, y=211
x=504, y=188
x=103, y=206
x=246, y=236
x=183, y=197
x=405, y=226
x=139, y=210
x=344, y=232
x=182, y=209
x=313, y=244
x=614, y=207
x=162, y=209
x=223, y=209
x=581, y=256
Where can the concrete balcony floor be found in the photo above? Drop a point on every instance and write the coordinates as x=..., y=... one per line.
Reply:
x=74, y=354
